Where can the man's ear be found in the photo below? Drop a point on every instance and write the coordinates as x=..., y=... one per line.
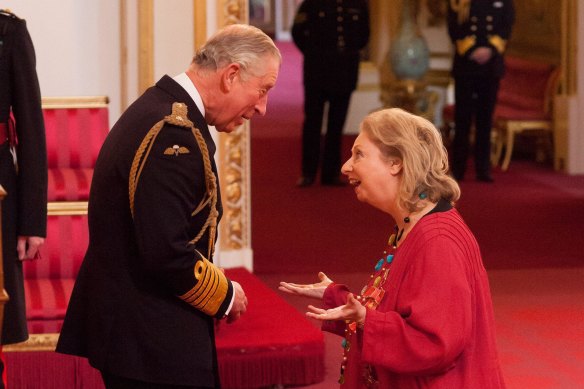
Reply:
x=229, y=76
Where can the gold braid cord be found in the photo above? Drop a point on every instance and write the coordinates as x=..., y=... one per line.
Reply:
x=462, y=8
x=211, y=287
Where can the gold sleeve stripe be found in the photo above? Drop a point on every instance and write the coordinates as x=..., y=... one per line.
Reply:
x=498, y=42
x=210, y=289
x=463, y=45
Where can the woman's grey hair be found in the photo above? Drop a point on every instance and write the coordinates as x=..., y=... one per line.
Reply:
x=237, y=43
x=418, y=144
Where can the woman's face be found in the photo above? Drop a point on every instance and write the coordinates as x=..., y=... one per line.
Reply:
x=374, y=178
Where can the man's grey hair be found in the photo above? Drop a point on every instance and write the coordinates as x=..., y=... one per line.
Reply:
x=237, y=43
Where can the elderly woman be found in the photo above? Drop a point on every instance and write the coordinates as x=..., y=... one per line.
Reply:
x=425, y=317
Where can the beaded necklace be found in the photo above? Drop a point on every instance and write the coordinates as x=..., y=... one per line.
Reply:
x=370, y=297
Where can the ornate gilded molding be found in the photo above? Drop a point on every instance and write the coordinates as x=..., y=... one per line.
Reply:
x=234, y=11
x=234, y=159
x=35, y=342
x=66, y=208
x=145, y=45
x=200, y=25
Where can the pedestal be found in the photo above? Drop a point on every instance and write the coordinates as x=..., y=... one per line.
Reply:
x=412, y=96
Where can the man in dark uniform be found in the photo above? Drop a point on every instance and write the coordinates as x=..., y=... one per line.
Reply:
x=330, y=35
x=23, y=167
x=479, y=30
x=147, y=294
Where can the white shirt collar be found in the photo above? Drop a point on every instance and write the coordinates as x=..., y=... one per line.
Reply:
x=184, y=81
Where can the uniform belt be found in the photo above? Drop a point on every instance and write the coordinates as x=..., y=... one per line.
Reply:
x=3, y=133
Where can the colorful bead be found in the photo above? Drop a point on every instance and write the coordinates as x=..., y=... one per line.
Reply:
x=377, y=281
x=389, y=258
x=423, y=196
x=379, y=264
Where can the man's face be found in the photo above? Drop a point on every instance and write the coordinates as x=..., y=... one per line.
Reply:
x=246, y=96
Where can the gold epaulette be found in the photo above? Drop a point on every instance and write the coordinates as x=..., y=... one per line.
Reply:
x=210, y=289
x=463, y=45
x=179, y=117
x=498, y=42
x=7, y=12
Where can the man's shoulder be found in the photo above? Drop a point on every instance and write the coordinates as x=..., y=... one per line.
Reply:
x=6, y=13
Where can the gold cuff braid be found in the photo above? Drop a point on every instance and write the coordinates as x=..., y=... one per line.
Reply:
x=210, y=290
x=498, y=42
x=463, y=45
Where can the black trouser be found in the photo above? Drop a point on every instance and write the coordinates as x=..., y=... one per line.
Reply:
x=315, y=98
x=116, y=382
x=474, y=96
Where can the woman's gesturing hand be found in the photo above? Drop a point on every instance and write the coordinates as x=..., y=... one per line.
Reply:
x=308, y=290
x=352, y=311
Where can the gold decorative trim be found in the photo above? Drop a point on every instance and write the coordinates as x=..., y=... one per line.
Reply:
x=35, y=342
x=234, y=173
x=234, y=154
x=3, y=295
x=123, y=55
x=75, y=102
x=200, y=18
x=145, y=45
x=233, y=12
x=60, y=208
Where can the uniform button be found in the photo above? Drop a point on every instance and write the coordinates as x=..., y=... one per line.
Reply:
x=339, y=9
x=355, y=17
x=339, y=19
x=473, y=28
x=340, y=28
x=489, y=18
x=321, y=14
x=473, y=19
x=489, y=27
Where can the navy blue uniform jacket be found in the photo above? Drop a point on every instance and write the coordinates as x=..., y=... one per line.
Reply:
x=24, y=210
x=124, y=314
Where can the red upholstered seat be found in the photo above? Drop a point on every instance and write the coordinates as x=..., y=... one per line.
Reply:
x=67, y=184
x=525, y=105
x=49, y=281
x=75, y=130
x=75, y=135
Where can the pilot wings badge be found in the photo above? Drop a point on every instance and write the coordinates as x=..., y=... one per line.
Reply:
x=176, y=150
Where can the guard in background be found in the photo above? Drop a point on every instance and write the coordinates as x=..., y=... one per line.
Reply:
x=330, y=34
x=479, y=31
x=23, y=168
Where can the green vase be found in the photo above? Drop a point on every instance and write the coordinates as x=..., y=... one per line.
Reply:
x=409, y=55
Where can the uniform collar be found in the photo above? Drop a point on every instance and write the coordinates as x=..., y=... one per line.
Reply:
x=184, y=81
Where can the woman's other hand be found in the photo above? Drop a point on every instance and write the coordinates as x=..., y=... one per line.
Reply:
x=353, y=311
x=308, y=290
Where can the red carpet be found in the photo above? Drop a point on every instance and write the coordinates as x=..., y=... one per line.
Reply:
x=271, y=344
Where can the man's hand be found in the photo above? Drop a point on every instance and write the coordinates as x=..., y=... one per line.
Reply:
x=482, y=55
x=308, y=290
x=28, y=247
x=239, y=303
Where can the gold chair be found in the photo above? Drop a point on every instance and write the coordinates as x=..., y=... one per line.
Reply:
x=525, y=104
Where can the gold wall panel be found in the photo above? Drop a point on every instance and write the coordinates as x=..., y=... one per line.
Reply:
x=537, y=32
x=234, y=158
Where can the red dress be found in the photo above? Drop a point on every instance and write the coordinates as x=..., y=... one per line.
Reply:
x=434, y=327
